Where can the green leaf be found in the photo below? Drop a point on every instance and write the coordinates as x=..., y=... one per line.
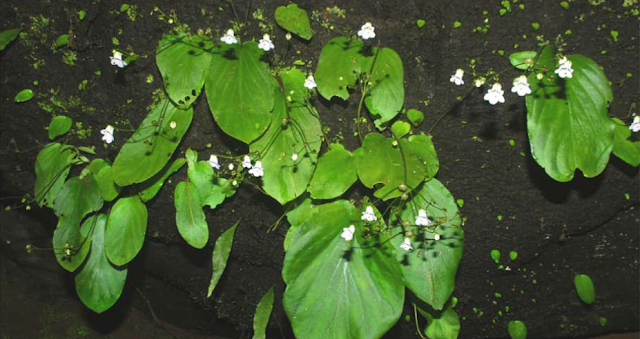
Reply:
x=59, y=125
x=584, y=288
x=340, y=64
x=336, y=172
x=567, y=119
x=61, y=41
x=52, y=167
x=153, y=189
x=24, y=95
x=262, y=315
x=191, y=221
x=7, y=36
x=517, y=329
x=221, y=251
x=285, y=179
x=200, y=175
x=298, y=211
x=340, y=289
x=420, y=23
x=240, y=91
x=379, y=162
x=445, y=326
x=152, y=145
x=522, y=60
x=295, y=20
x=99, y=284
x=400, y=129
x=126, y=229
x=221, y=189
x=430, y=268
x=108, y=188
x=623, y=148
x=183, y=62
x=386, y=94
x=415, y=117
x=89, y=150
x=77, y=198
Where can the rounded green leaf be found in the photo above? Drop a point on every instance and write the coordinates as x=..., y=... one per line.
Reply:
x=386, y=95
x=59, y=125
x=200, y=175
x=99, y=284
x=379, y=162
x=7, y=36
x=584, y=288
x=191, y=221
x=517, y=329
x=183, y=62
x=295, y=20
x=623, y=148
x=446, y=326
x=61, y=41
x=285, y=178
x=152, y=145
x=522, y=60
x=430, y=268
x=240, y=91
x=77, y=198
x=221, y=251
x=400, y=129
x=336, y=172
x=415, y=117
x=126, y=229
x=340, y=64
x=108, y=187
x=262, y=315
x=340, y=289
x=52, y=167
x=567, y=119
x=24, y=95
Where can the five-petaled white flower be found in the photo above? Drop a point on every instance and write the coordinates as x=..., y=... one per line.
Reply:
x=422, y=219
x=107, y=134
x=348, y=232
x=257, y=170
x=294, y=156
x=406, y=244
x=116, y=59
x=635, y=125
x=564, y=69
x=495, y=94
x=368, y=214
x=436, y=237
x=246, y=162
x=310, y=82
x=457, y=78
x=521, y=86
x=265, y=43
x=213, y=161
x=229, y=38
x=173, y=125
x=367, y=31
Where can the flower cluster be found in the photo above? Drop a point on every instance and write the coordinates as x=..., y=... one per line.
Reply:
x=107, y=134
x=564, y=69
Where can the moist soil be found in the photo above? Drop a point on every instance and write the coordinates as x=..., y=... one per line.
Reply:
x=588, y=225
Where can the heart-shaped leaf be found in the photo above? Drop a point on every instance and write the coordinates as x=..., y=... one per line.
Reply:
x=336, y=172
x=295, y=20
x=386, y=94
x=341, y=62
x=59, y=125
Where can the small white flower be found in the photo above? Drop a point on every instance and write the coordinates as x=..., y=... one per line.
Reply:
x=310, y=82
x=107, y=134
x=564, y=69
x=368, y=214
x=213, y=161
x=436, y=237
x=257, y=170
x=507, y=268
x=539, y=76
x=231, y=167
x=457, y=78
x=294, y=156
x=116, y=59
x=229, y=38
x=348, y=232
x=635, y=125
x=173, y=125
x=367, y=31
x=287, y=36
x=479, y=81
x=495, y=94
x=265, y=43
x=246, y=162
x=521, y=86
x=422, y=219
x=406, y=244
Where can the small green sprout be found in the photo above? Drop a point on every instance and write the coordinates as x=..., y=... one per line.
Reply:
x=535, y=25
x=420, y=23
x=457, y=24
x=564, y=4
x=614, y=35
x=495, y=255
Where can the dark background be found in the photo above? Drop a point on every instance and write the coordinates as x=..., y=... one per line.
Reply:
x=585, y=226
